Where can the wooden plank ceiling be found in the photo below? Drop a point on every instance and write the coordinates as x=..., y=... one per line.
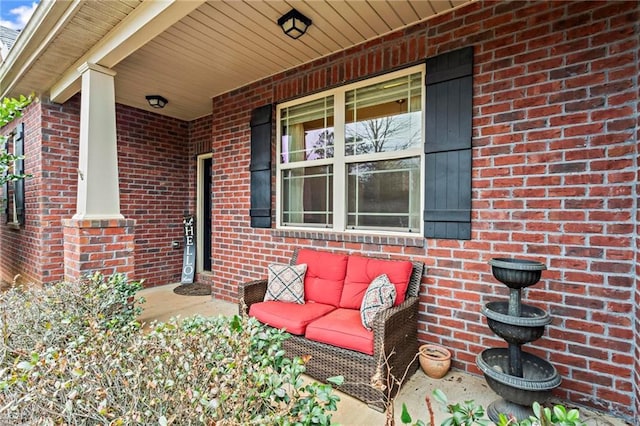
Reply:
x=223, y=45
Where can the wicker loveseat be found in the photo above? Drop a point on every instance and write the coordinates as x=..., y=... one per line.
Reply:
x=394, y=330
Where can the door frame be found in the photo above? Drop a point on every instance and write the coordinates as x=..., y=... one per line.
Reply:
x=199, y=204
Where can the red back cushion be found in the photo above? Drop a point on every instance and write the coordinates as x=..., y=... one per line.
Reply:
x=324, y=279
x=362, y=270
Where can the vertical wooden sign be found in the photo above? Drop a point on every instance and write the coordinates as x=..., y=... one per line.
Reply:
x=189, y=257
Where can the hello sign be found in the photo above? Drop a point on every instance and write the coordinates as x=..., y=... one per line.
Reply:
x=189, y=256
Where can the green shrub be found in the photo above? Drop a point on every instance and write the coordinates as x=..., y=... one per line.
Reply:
x=468, y=413
x=74, y=354
x=10, y=109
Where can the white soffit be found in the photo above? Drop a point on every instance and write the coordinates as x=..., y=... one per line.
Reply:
x=191, y=51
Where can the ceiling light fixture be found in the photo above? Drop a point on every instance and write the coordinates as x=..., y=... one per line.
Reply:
x=156, y=101
x=294, y=24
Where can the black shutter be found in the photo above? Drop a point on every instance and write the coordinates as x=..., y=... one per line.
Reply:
x=18, y=142
x=260, y=167
x=449, y=95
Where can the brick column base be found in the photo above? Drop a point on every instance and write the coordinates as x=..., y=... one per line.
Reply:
x=105, y=246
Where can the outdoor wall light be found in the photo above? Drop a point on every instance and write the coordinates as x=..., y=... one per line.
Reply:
x=294, y=24
x=156, y=101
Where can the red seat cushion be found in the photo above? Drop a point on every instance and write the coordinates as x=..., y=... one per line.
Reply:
x=362, y=270
x=342, y=328
x=293, y=317
x=324, y=279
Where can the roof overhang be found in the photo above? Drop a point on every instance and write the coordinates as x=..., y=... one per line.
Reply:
x=188, y=51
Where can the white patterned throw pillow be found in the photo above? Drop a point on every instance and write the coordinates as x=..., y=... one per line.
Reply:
x=286, y=283
x=379, y=296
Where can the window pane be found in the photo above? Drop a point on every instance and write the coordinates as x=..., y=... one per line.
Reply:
x=307, y=131
x=307, y=196
x=384, y=194
x=384, y=117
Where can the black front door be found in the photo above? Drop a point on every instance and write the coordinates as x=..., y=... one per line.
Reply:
x=206, y=215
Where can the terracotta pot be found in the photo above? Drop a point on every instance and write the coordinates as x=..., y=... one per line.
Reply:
x=435, y=360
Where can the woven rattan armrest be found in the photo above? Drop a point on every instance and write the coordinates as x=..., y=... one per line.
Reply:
x=392, y=327
x=249, y=293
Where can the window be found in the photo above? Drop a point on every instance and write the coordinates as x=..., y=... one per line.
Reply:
x=350, y=159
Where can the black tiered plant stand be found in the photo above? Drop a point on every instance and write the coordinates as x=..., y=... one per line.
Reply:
x=519, y=377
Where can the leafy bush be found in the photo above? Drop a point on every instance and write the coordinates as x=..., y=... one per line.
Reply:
x=73, y=353
x=10, y=109
x=469, y=413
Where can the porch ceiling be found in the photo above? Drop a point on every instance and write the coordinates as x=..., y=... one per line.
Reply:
x=191, y=54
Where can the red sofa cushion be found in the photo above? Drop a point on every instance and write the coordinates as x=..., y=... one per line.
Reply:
x=293, y=317
x=342, y=328
x=324, y=279
x=362, y=270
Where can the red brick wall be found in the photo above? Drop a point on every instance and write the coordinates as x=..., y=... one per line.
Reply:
x=20, y=248
x=35, y=251
x=636, y=373
x=200, y=136
x=105, y=246
x=153, y=163
x=199, y=143
x=59, y=184
x=554, y=179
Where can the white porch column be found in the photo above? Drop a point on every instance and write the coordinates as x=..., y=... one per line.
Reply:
x=98, y=191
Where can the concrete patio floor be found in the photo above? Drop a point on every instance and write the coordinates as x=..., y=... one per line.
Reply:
x=162, y=304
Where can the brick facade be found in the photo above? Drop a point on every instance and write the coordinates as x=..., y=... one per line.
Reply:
x=34, y=252
x=556, y=143
x=555, y=173
x=155, y=179
x=155, y=175
x=636, y=352
x=98, y=245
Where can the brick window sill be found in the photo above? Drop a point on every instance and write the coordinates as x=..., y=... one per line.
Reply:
x=385, y=240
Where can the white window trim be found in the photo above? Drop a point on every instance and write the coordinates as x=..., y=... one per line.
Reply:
x=339, y=176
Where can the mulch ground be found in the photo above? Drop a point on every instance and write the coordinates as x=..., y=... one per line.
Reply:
x=195, y=289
